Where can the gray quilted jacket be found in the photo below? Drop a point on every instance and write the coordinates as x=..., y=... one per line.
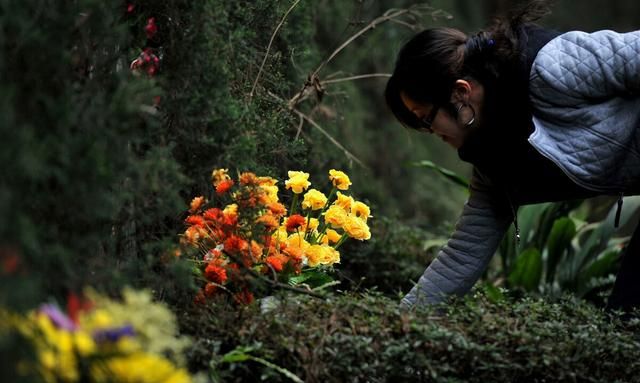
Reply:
x=584, y=89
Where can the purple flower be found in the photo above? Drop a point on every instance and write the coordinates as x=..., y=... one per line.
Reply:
x=59, y=319
x=113, y=334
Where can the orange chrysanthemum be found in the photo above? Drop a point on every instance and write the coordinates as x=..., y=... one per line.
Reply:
x=224, y=187
x=215, y=274
x=277, y=261
x=194, y=220
x=248, y=178
x=277, y=209
x=196, y=204
x=294, y=222
x=235, y=244
x=269, y=221
x=213, y=214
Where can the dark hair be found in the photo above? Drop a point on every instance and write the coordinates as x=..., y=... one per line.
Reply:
x=428, y=65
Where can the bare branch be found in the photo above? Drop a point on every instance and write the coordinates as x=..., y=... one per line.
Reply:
x=324, y=132
x=390, y=14
x=266, y=55
x=358, y=77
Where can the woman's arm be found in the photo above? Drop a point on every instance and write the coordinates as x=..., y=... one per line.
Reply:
x=578, y=68
x=466, y=255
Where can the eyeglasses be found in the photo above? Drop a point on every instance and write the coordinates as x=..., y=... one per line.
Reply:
x=425, y=122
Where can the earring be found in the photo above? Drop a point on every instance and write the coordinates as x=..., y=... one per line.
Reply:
x=473, y=113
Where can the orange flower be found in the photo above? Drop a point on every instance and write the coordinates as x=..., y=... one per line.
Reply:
x=194, y=220
x=248, y=179
x=196, y=204
x=215, y=273
x=294, y=222
x=224, y=187
x=235, y=244
x=269, y=221
x=214, y=214
x=194, y=233
x=277, y=261
x=277, y=209
x=255, y=250
x=219, y=175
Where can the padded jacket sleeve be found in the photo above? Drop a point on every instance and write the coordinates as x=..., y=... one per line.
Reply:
x=464, y=258
x=577, y=67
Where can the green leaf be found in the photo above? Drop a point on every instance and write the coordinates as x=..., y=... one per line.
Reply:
x=446, y=173
x=493, y=293
x=313, y=278
x=239, y=354
x=527, y=271
x=562, y=232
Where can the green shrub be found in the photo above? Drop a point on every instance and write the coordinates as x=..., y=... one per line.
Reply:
x=364, y=337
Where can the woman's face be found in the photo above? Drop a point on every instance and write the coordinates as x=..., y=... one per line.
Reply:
x=451, y=130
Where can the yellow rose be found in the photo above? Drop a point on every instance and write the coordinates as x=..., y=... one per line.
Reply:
x=356, y=228
x=339, y=179
x=322, y=255
x=335, y=216
x=298, y=181
x=330, y=256
x=344, y=201
x=314, y=255
x=297, y=240
x=332, y=236
x=314, y=200
x=361, y=210
x=219, y=175
x=311, y=225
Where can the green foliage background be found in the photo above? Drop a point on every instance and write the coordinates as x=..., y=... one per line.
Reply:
x=95, y=177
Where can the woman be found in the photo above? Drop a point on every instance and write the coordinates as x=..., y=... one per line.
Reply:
x=542, y=116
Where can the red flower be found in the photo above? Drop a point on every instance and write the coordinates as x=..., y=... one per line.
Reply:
x=213, y=214
x=277, y=261
x=244, y=297
x=195, y=220
x=199, y=299
x=215, y=274
x=224, y=186
x=294, y=222
x=151, y=29
x=210, y=289
x=131, y=7
x=235, y=244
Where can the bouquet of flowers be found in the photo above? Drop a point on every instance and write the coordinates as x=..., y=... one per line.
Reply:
x=102, y=340
x=246, y=232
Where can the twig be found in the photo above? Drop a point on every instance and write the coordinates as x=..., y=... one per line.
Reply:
x=266, y=55
x=358, y=77
x=390, y=14
x=299, y=127
x=315, y=125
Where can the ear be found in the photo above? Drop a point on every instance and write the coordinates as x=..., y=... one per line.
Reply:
x=461, y=91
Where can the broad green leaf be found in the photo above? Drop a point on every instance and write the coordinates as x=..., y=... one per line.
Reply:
x=527, y=270
x=602, y=266
x=312, y=278
x=446, y=173
x=493, y=293
x=562, y=233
